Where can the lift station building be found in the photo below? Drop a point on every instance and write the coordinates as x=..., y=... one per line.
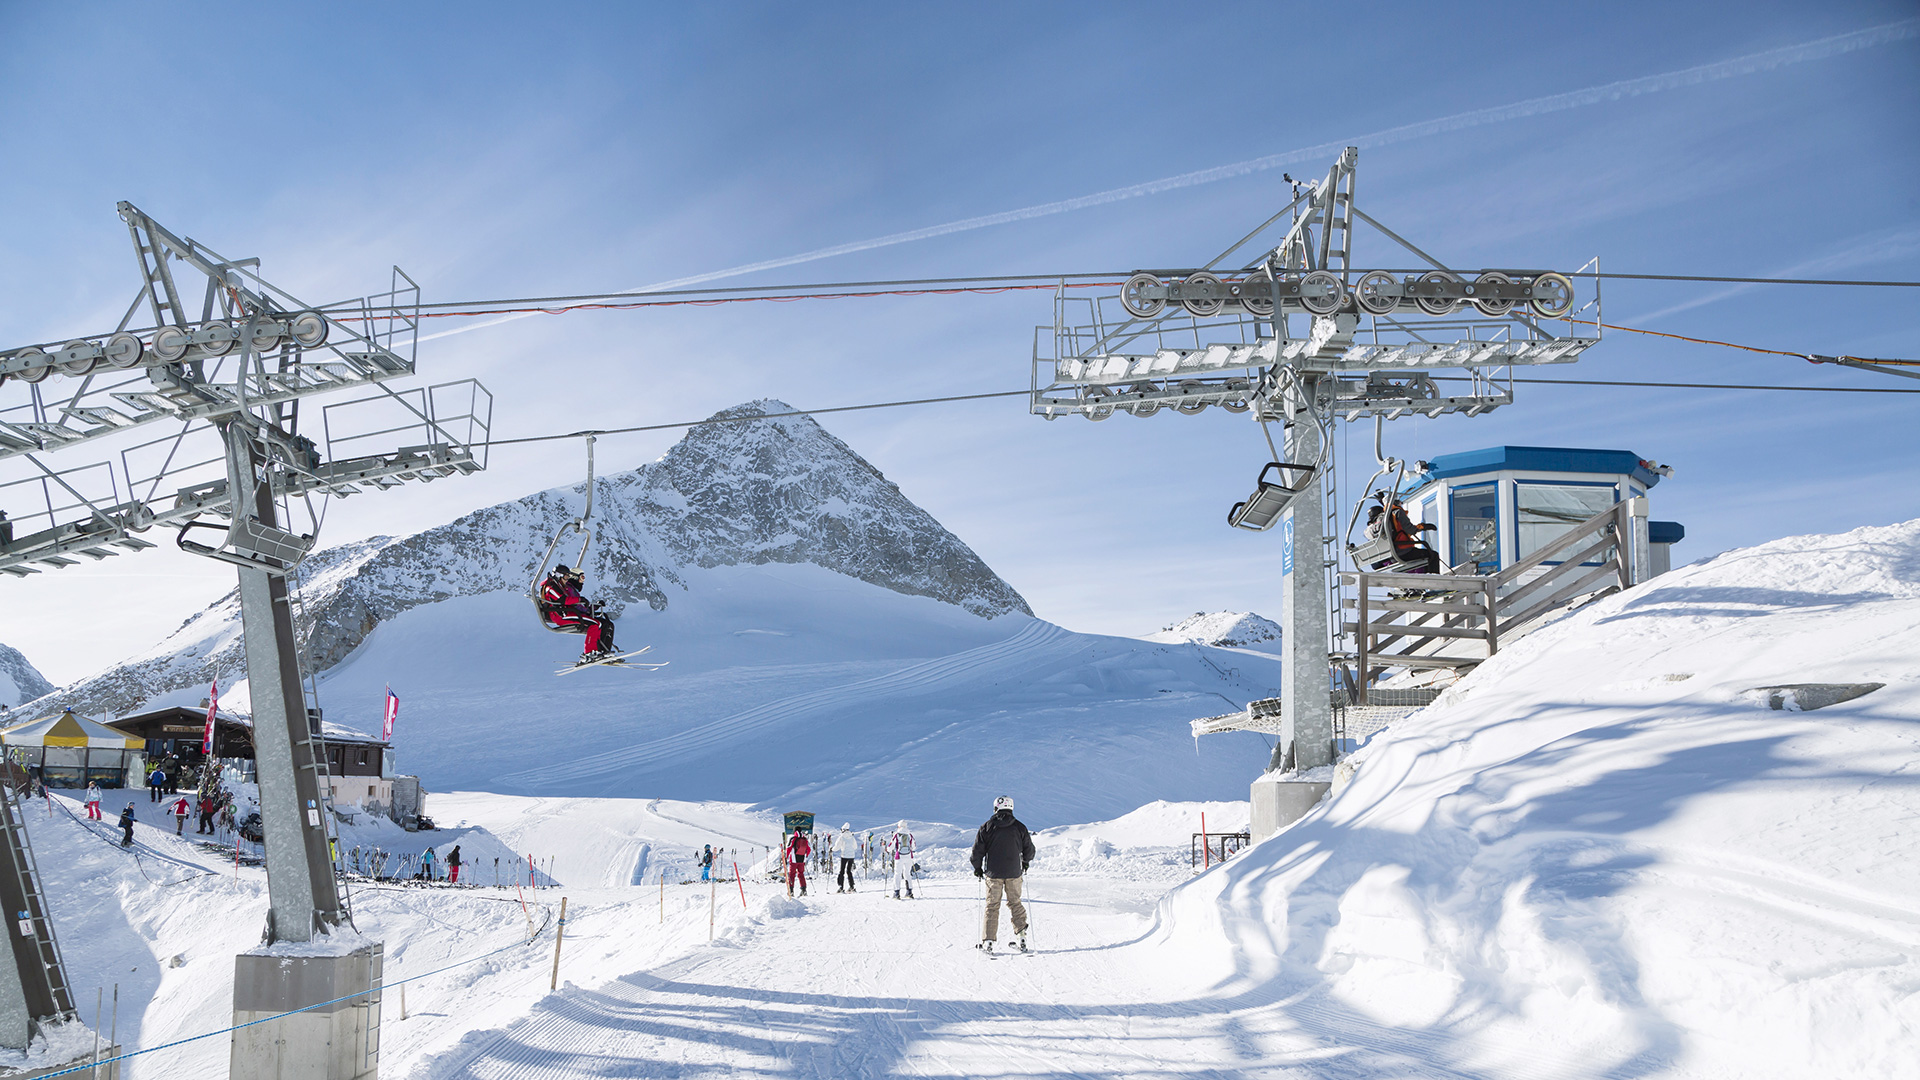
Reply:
x=1494, y=507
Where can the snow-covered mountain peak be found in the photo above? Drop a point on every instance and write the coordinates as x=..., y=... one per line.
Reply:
x=741, y=488
x=1229, y=629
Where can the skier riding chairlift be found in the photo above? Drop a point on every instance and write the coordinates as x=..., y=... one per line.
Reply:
x=564, y=609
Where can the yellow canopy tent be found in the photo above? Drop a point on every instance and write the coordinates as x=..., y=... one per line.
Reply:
x=72, y=750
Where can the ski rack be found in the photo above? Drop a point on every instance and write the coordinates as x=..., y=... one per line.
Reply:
x=236, y=373
x=1187, y=339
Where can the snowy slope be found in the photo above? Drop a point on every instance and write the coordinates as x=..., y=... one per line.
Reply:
x=746, y=492
x=1603, y=855
x=796, y=688
x=19, y=681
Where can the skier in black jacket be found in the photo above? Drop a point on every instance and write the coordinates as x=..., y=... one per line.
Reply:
x=1001, y=851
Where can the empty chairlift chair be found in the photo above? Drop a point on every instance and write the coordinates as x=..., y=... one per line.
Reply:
x=1270, y=496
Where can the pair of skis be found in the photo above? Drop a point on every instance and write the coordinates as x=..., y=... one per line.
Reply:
x=611, y=661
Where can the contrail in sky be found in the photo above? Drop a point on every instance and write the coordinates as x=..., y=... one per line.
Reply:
x=1752, y=64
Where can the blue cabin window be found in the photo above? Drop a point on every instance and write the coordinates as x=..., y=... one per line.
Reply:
x=1545, y=511
x=1475, y=528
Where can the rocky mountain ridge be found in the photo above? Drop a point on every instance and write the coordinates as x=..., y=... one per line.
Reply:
x=19, y=680
x=740, y=488
x=1227, y=629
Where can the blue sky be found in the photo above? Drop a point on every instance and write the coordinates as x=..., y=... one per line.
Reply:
x=505, y=150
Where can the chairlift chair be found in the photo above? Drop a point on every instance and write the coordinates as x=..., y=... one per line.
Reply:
x=1270, y=497
x=547, y=612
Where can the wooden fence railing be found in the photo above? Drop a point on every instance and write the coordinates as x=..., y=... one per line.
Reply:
x=1424, y=620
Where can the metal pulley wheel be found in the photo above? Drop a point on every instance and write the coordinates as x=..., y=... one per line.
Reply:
x=1204, y=308
x=1144, y=408
x=1552, y=295
x=266, y=336
x=1136, y=302
x=170, y=344
x=1321, y=292
x=309, y=329
x=1192, y=406
x=1488, y=304
x=87, y=356
x=1236, y=406
x=123, y=350
x=1256, y=292
x=1439, y=305
x=1371, y=293
x=220, y=339
x=38, y=365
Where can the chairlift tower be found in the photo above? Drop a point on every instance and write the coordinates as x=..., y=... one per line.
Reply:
x=195, y=424
x=1303, y=336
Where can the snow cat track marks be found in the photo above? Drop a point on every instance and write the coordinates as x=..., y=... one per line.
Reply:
x=917, y=677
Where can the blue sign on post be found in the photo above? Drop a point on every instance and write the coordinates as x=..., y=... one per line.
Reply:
x=1286, y=545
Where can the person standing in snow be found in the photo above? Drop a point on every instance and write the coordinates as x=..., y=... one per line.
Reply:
x=900, y=847
x=208, y=804
x=93, y=802
x=798, y=847
x=126, y=826
x=181, y=811
x=1002, y=849
x=426, y=865
x=155, y=781
x=453, y=865
x=844, y=845
x=706, y=863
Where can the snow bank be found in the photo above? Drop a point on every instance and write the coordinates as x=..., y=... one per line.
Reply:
x=1602, y=855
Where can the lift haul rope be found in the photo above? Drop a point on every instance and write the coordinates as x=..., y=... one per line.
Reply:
x=984, y=285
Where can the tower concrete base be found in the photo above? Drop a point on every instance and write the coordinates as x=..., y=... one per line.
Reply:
x=337, y=1041
x=1278, y=803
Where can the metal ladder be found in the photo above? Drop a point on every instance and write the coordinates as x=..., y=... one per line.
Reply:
x=322, y=765
x=42, y=971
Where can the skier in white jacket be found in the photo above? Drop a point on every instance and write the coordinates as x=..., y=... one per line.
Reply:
x=900, y=846
x=845, y=847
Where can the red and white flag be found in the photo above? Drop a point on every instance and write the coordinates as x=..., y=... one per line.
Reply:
x=393, y=711
x=213, y=706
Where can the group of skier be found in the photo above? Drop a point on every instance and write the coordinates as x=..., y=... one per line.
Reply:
x=895, y=851
x=1002, y=851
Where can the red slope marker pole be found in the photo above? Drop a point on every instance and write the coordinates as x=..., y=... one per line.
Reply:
x=742, y=884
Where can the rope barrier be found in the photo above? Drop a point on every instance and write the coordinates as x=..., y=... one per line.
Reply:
x=308, y=1008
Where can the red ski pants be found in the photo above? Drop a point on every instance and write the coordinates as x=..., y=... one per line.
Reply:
x=796, y=875
x=453, y=873
x=93, y=810
x=594, y=626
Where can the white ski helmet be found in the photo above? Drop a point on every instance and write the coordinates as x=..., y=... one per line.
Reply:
x=1004, y=802
x=846, y=826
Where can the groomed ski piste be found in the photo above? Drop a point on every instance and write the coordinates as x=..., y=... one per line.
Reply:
x=1602, y=854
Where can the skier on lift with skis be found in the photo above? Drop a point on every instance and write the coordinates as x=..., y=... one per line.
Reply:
x=563, y=606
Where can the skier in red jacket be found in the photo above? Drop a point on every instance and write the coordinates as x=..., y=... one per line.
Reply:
x=562, y=606
x=798, y=847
